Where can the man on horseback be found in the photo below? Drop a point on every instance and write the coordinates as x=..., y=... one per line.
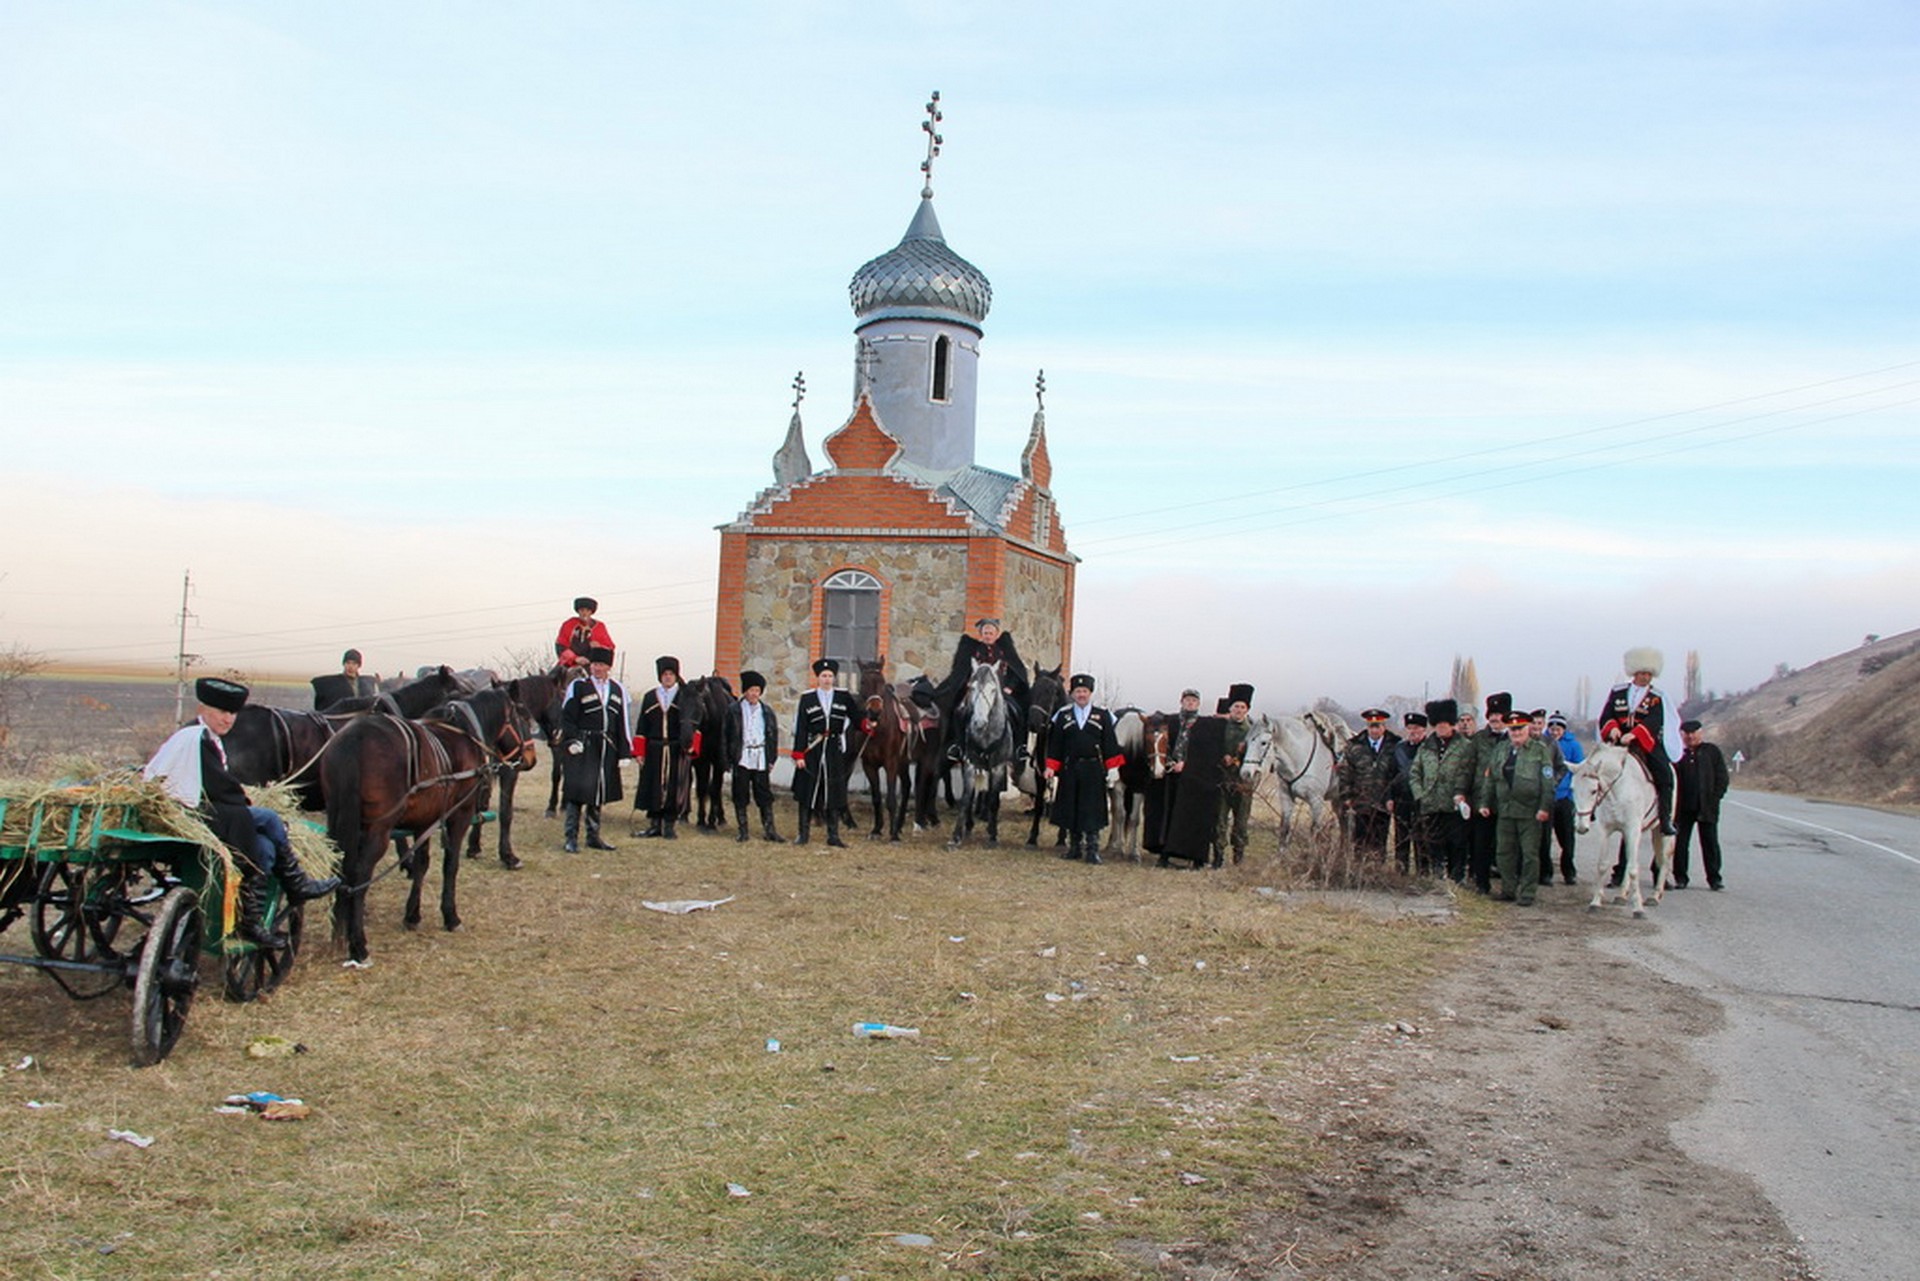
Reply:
x=666, y=766
x=820, y=729
x=193, y=765
x=1636, y=714
x=988, y=645
x=580, y=634
x=1081, y=754
x=597, y=731
x=344, y=684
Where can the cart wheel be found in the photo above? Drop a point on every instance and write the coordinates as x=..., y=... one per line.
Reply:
x=258, y=970
x=167, y=976
x=77, y=913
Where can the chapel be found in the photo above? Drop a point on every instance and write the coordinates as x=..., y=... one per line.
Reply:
x=901, y=540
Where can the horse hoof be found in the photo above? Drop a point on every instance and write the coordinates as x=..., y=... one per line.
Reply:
x=552, y=814
x=414, y=924
x=513, y=862
x=1593, y=907
x=1639, y=913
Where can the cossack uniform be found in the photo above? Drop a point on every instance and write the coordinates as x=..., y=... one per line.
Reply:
x=820, y=727
x=1080, y=750
x=596, y=732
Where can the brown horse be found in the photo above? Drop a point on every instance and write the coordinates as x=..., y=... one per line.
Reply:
x=892, y=742
x=384, y=774
x=538, y=695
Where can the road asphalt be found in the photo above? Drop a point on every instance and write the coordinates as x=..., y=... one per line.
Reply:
x=1812, y=1086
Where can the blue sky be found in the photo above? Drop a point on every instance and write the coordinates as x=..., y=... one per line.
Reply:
x=1372, y=334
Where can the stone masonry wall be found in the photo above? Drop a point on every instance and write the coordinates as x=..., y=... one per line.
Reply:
x=1037, y=603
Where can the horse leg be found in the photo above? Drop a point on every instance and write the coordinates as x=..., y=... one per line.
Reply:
x=553, y=786
x=450, y=869
x=1662, y=860
x=373, y=846
x=1630, y=844
x=416, y=866
x=996, y=783
x=876, y=796
x=1039, y=805
x=509, y=783
x=963, y=814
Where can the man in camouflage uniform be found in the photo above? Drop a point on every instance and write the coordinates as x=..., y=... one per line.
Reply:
x=1442, y=780
x=1236, y=794
x=1489, y=741
x=1516, y=792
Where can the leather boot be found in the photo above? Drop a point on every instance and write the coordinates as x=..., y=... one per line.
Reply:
x=293, y=878
x=742, y=838
x=652, y=830
x=833, y=832
x=253, y=912
x=666, y=831
x=593, y=830
x=571, y=827
x=806, y=824
x=1093, y=847
x=1072, y=853
x=766, y=824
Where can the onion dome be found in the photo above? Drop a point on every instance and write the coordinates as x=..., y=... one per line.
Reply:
x=920, y=276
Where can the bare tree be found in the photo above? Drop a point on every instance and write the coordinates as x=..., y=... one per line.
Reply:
x=17, y=663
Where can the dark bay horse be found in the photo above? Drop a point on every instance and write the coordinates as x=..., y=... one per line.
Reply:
x=986, y=748
x=384, y=774
x=268, y=744
x=891, y=743
x=713, y=697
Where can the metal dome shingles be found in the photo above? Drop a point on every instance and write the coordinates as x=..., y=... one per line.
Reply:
x=921, y=271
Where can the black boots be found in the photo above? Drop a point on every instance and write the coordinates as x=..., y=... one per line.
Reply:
x=666, y=831
x=1093, y=847
x=293, y=878
x=593, y=830
x=1072, y=853
x=253, y=910
x=742, y=838
x=570, y=827
x=766, y=824
x=806, y=824
x=833, y=832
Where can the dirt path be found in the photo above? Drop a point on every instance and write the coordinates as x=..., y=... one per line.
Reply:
x=1520, y=1130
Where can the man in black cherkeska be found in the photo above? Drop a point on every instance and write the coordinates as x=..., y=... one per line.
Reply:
x=343, y=684
x=988, y=644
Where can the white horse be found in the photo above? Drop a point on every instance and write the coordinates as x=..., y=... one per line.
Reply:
x=1301, y=752
x=1613, y=795
x=986, y=748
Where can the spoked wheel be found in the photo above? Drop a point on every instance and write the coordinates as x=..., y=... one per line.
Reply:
x=168, y=973
x=258, y=970
x=77, y=913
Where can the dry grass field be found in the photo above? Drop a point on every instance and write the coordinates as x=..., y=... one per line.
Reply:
x=569, y=1085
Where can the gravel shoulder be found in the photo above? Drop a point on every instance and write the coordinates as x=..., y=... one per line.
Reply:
x=1519, y=1127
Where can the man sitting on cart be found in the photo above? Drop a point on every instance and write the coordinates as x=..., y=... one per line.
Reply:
x=193, y=765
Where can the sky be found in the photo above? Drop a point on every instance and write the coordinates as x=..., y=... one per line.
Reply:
x=1374, y=334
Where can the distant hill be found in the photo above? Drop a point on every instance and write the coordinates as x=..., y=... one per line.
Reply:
x=1847, y=727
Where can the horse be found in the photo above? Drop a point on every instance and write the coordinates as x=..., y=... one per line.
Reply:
x=1046, y=695
x=385, y=773
x=1613, y=795
x=1301, y=751
x=713, y=698
x=893, y=725
x=986, y=747
x=929, y=762
x=269, y=744
x=538, y=695
x=1126, y=796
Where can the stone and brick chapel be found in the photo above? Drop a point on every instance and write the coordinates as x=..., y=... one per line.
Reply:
x=902, y=540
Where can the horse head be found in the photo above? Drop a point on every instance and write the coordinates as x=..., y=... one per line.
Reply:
x=1045, y=696
x=1159, y=737
x=986, y=707
x=1259, y=745
x=1593, y=780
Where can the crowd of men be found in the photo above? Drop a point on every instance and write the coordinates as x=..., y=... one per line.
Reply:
x=1447, y=794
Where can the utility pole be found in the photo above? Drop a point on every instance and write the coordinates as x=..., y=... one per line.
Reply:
x=181, y=659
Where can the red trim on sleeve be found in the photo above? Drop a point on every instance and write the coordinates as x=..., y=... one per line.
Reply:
x=1053, y=765
x=1115, y=762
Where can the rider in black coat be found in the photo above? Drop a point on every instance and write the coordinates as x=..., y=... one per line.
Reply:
x=988, y=645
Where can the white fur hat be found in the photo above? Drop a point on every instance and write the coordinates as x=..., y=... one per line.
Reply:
x=1643, y=658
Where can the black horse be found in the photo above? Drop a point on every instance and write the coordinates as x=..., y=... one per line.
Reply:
x=387, y=774
x=714, y=696
x=539, y=697
x=1047, y=695
x=269, y=744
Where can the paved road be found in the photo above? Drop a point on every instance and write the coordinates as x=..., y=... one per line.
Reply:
x=1814, y=952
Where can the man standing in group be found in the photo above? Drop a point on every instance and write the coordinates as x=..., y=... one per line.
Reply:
x=1702, y=779
x=1366, y=770
x=1082, y=757
x=1442, y=778
x=666, y=724
x=1516, y=795
x=820, y=729
x=192, y=764
x=1560, y=830
x=1401, y=802
x=1489, y=744
x=580, y=634
x=1636, y=714
x=346, y=683
x=752, y=740
x=988, y=644
x=1236, y=793
x=596, y=734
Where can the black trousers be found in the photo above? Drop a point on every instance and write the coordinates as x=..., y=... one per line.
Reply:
x=1480, y=837
x=1447, y=837
x=754, y=783
x=1709, y=848
x=1370, y=829
x=1561, y=829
